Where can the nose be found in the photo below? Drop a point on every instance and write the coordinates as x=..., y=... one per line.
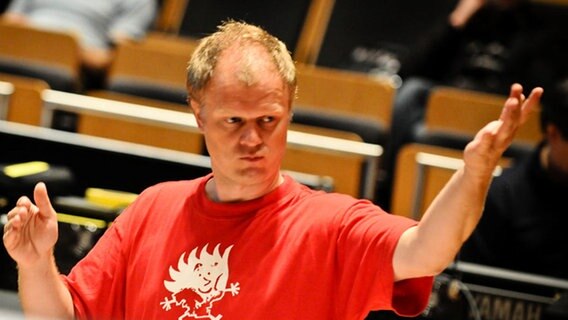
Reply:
x=250, y=136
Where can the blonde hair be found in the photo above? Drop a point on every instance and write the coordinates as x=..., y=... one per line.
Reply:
x=204, y=58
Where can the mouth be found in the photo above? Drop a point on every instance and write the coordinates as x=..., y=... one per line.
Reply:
x=252, y=158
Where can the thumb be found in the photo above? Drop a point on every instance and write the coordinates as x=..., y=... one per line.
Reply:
x=42, y=201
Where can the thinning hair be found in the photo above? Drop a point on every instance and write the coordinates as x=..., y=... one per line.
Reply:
x=203, y=61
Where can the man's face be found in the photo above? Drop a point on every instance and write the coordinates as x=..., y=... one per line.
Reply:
x=244, y=114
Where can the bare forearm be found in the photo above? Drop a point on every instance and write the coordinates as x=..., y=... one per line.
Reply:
x=448, y=222
x=43, y=293
x=455, y=212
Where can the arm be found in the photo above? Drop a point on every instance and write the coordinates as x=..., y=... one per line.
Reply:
x=431, y=246
x=16, y=12
x=96, y=58
x=465, y=9
x=434, y=55
x=29, y=238
x=134, y=20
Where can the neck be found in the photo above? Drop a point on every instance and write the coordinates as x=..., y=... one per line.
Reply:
x=218, y=191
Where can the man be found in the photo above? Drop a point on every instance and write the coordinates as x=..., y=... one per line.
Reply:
x=246, y=242
x=525, y=211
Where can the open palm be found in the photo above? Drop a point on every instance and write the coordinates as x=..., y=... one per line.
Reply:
x=482, y=154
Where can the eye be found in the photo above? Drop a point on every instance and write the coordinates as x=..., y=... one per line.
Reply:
x=233, y=120
x=267, y=119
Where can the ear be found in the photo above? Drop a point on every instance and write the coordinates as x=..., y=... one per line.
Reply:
x=196, y=108
x=552, y=133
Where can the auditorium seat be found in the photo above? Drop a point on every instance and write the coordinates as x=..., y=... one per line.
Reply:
x=454, y=116
x=126, y=121
x=344, y=100
x=52, y=56
x=152, y=69
x=25, y=102
x=421, y=172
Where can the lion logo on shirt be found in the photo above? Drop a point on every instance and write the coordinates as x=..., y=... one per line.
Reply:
x=198, y=283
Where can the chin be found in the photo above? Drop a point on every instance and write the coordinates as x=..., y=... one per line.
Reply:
x=257, y=174
x=253, y=173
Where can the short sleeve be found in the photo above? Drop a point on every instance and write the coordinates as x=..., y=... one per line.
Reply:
x=97, y=282
x=366, y=245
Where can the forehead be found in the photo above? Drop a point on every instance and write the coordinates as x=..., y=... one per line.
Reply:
x=247, y=62
x=246, y=73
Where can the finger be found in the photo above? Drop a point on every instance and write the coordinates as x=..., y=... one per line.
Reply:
x=13, y=212
x=531, y=103
x=11, y=234
x=8, y=235
x=510, y=117
x=18, y=215
x=488, y=136
x=42, y=200
x=12, y=225
x=24, y=201
x=7, y=226
x=511, y=108
x=517, y=108
x=516, y=91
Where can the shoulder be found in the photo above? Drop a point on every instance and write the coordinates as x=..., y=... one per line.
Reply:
x=343, y=208
x=158, y=201
x=165, y=196
x=180, y=188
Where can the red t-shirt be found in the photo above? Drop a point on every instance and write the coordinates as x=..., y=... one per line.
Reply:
x=294, y=253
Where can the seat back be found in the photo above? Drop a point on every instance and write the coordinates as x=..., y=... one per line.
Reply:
x=134, y=70
x=174, y=130
x=345, y=92
x=49, y=55
x=454, y=116
x=25, y=101
x=344, y=100
x=421, y=173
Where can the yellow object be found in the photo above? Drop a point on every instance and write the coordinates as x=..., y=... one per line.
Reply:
x=82, y=221
x=111, y=199
x=25, y=169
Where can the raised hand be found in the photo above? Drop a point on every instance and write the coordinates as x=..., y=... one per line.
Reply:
x=483, y=153
x=31, y=231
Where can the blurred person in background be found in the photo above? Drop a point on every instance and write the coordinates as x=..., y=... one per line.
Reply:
x=98, y=24
x=482, y=45
x=523, y=222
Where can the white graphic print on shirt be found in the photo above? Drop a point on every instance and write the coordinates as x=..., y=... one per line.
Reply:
x=198, y=282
